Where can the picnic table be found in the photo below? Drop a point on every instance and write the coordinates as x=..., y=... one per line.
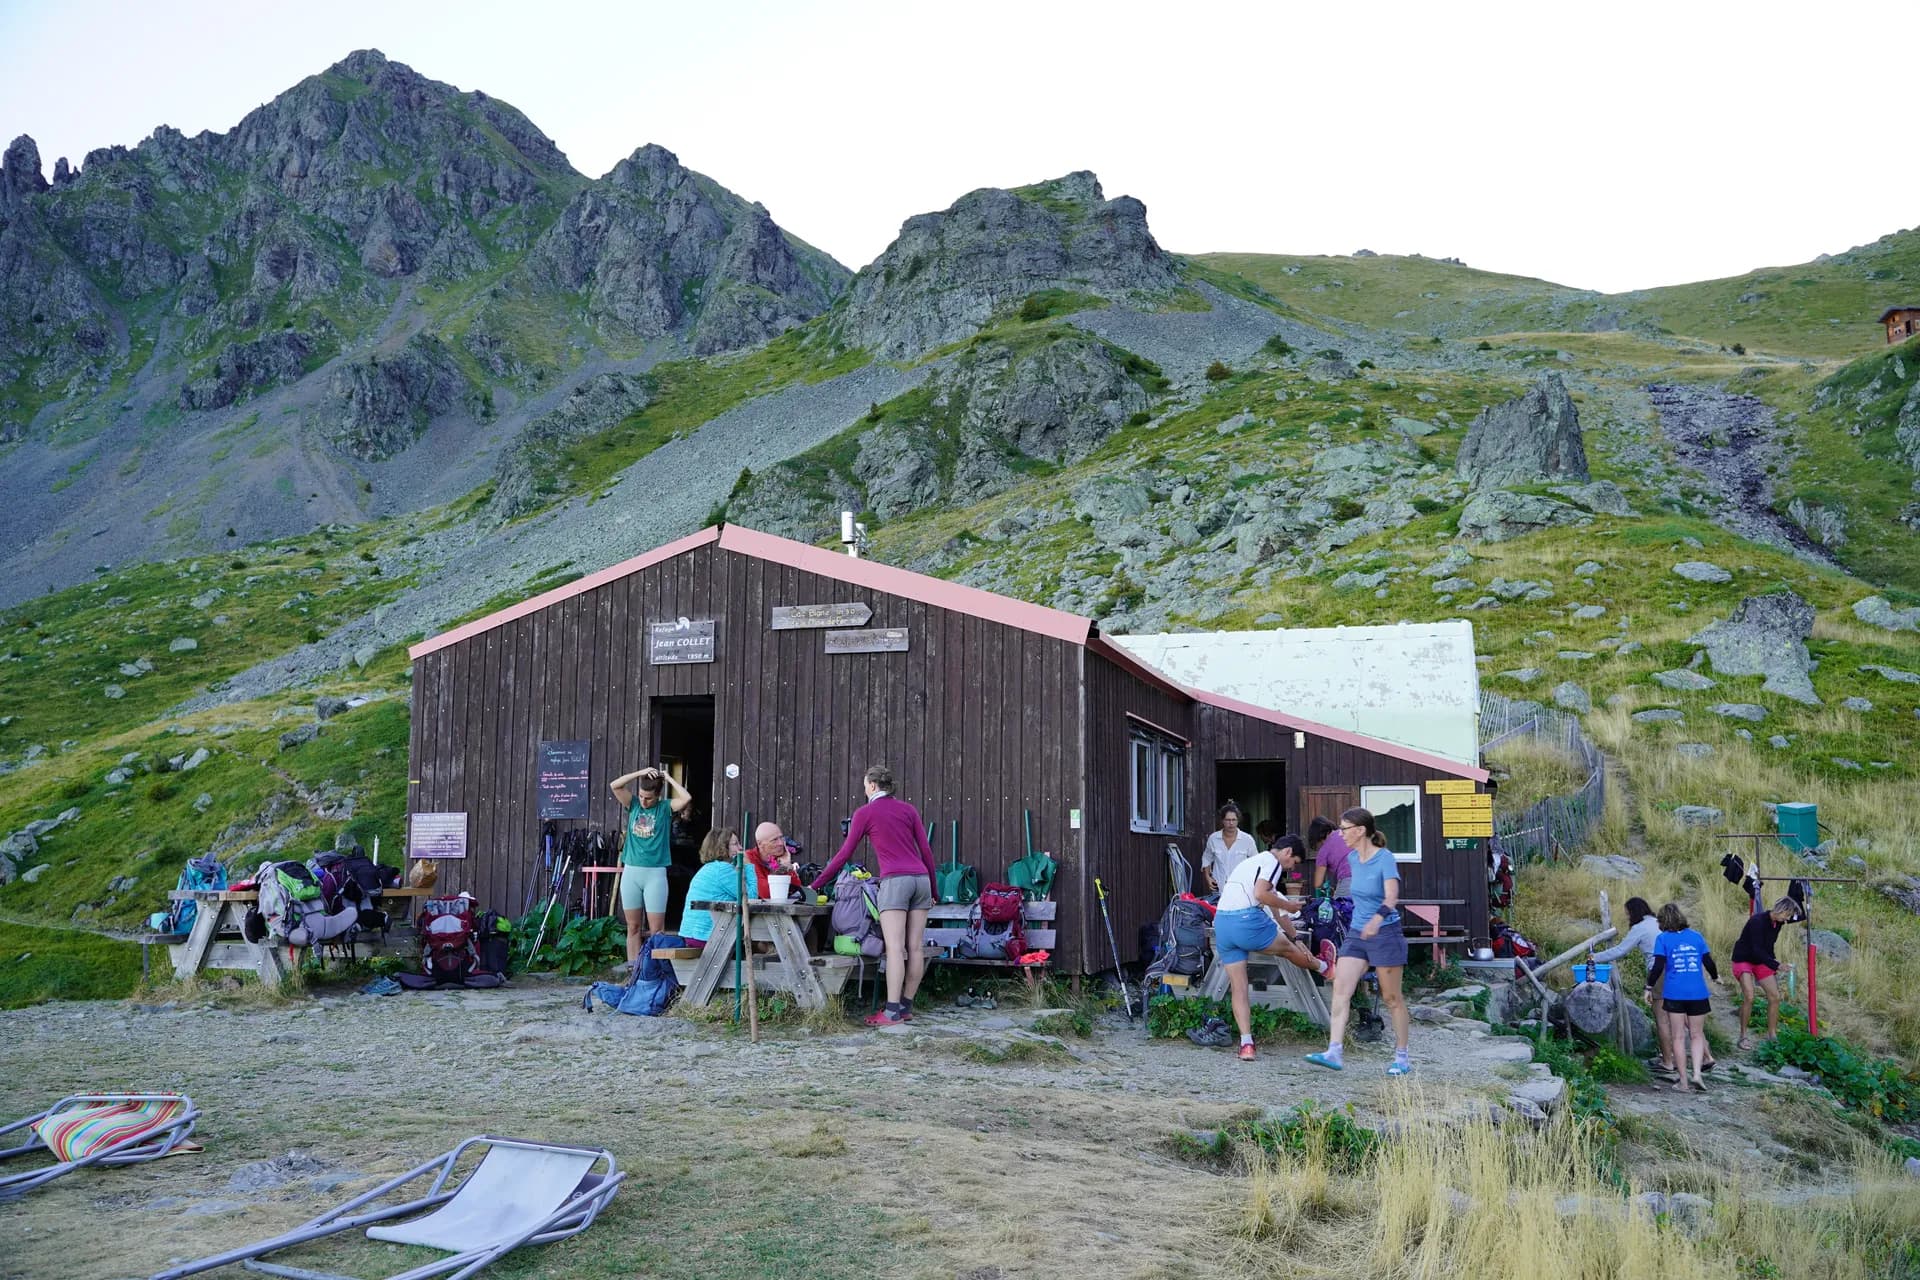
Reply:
x=215, y=941
x=810, y=979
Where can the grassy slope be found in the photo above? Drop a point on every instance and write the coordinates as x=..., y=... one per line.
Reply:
x=1825, y=309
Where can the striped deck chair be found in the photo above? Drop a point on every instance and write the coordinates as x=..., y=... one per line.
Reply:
x=519, y=1193
x=100, y=1129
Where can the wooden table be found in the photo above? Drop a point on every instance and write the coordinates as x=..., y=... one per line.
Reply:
x=215, y=941
x=1427, y=910
x=809, y=978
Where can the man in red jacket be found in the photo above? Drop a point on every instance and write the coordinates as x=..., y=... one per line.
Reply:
x=905, y=887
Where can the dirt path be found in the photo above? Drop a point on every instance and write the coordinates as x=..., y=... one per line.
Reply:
x=897, y=1153
x=1729, y=439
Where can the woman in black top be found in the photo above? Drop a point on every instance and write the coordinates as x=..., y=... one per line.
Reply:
x=1754, y=961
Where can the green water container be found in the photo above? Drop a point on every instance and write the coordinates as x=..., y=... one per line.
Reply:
x=1799, y=826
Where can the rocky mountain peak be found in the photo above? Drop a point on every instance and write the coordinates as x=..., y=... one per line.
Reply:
x=363, y=65
x=20, y=167
x=948, y=273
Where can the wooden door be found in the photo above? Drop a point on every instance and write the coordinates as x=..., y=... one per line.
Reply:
x=1326, y=802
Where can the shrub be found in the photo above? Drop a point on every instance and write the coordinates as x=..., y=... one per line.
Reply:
x=162, y=790
x=1139, y=419
x=1279, y=346
x=1429, y=506
x=1364, y=364
x=1171, y=1019
x=1034, y=308
x=1218, y=372
x=1876, y=1086
x=1306, y=1130
x=1738, y=349
x=1348, y=509
x=1330, y=353
x=231, y=533
x=1483, y=345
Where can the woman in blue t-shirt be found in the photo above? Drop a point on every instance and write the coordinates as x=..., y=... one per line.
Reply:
x=1375, y=941
x=1682, y=964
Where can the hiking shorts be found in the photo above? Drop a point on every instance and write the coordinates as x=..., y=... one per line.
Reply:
x=1386, y=949
x=905, y=893
x=1760, y=972
x=1691, y=1008
x=644, y=889
x=1237, y=934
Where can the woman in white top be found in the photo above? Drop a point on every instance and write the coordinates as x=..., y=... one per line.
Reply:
x=1226, y=848
x=1245, y=923
x=1642, y=929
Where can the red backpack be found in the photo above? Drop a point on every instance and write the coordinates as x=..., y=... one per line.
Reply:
x=995, y=928
x=448, y=954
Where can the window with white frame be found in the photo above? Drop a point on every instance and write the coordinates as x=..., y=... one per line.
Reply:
x=1396, y=812
x=1159, y=783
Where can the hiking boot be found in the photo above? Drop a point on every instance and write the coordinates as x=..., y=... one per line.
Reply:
x=884, y=1018
x=1246, y=1053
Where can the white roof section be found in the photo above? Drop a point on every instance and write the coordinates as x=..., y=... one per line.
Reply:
x=1414, y=683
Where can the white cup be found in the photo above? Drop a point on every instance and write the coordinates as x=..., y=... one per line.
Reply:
x=777, y=887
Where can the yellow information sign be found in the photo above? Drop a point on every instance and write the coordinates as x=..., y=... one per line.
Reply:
x=1464, y=827
x=1452, y=804
x=1449, y=786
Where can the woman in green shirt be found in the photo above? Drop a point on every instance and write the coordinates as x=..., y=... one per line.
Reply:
x=642, y=882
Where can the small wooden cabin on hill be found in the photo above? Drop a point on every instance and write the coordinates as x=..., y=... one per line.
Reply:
x=1902, y=323
x=768, y=674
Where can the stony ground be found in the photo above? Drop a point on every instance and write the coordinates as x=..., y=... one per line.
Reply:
x=896, y=1153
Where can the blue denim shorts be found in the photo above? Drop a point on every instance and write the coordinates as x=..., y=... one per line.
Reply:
x=1236, y=934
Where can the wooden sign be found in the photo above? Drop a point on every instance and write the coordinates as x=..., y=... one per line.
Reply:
x=562, y=783
x=1467, y=827
x=674, y=643
x=437, y=835
x=1449, y=786
x=798, y=617
x=1458, y=804
x=879, y=640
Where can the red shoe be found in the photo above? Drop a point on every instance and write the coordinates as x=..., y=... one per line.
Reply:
x=1328, y=954
x=883, y=1019
x=1246, y=1053
x=906, y=1013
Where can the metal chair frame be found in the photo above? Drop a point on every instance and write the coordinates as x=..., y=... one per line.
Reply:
x=137, y=1149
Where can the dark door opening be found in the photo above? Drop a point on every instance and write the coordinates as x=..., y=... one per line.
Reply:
x=683, y=745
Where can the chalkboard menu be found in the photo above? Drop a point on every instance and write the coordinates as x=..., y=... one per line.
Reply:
x=563, y=779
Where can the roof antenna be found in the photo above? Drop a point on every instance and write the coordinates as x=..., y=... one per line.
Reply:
x=853, y=534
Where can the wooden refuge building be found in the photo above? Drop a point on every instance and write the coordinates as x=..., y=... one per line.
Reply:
x=768, y=674
x=1902, y=323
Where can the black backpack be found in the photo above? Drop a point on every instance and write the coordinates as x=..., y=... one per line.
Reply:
x=371, y=876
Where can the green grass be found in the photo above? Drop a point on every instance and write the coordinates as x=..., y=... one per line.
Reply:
x=63, y=964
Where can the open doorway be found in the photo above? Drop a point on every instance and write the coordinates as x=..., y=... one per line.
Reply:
x=683, y=745
x=1259, y=787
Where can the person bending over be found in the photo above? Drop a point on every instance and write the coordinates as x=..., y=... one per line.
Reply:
x=648, y=851
x=1245, y=922
x=1754, y=962
x=1375, y=942
x=905, y=887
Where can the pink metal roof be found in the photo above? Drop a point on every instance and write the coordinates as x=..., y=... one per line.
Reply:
x=1060, y=625
x=1106, y=648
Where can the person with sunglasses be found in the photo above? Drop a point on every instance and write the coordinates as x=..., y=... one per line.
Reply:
x=1375, y=941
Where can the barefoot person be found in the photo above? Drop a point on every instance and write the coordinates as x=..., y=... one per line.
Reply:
x=1245, y=923
x=1754, y=962
x=1683, y=964
x=1375, y=941
x=644, y=859
x=1643, y=930
x=905, y=887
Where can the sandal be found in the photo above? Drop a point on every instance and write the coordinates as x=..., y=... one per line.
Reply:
x=1322, y=1060
x=1743, y=1044
x=1699, y=1086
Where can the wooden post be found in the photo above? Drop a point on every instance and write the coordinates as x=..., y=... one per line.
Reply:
x=746, y=935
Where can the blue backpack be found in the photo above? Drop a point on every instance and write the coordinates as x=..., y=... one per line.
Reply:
x=204, y=872
x=653, y=987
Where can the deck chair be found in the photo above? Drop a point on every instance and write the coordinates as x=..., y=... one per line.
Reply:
x=100, y=1129
x=519, y=1193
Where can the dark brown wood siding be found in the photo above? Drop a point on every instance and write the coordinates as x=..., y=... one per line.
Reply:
x=1133, y=864
x=979, y=721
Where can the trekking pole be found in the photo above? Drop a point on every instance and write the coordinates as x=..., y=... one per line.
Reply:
x=1126, y=993
x=553, y=896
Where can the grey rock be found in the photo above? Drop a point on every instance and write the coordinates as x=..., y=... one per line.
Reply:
x=1702, y=571
x=1659, y=715
x=119, y=777
x=1693, y=750
x=1520, y=589
x=183, y=644
x=244, y=368
x=1586, y=568
x=1779, y=743
x=1739, y=711
x=1830, y=945
x=364, y=655
x=1588, y=612
x=1525, y=675
x=1765, y=636
x=1456, y=560
x=523, y=477
x=1535, y=437
x=120, y=884
x=294, y=737
x=1451, y=585
x=1110, y=498
x=1893, y=673
x=1429, y=1014
x=1355, y=579
x=1857, y=704
x=1413, y=427
x=115, y=692
x=1602, y=496
x=1698, y=815
x=32, y=874
x=195, y=760
x=1845, y=763
x=1572, y=697
x=1575, y=655
x=206, y=598
x=1546, y=1094
x=1613, y=866
x=1876, y=612
x=1498, y=515
x=326, y=707
x=1527, y=1109
x=1685, y=681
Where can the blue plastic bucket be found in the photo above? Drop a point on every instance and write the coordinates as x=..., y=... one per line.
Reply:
x=1592, y=972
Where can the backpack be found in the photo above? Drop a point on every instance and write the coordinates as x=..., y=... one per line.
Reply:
x=493, y=939
x=856, y=915
x=956, y=883
x=330, y=874
x=654, y=984
x=293, y=909
x=449, y=948
x=995, y=930
x=1190, y=918
x=204, y=872
x=1499, y=877
x=1507, y=941
x=371, y=876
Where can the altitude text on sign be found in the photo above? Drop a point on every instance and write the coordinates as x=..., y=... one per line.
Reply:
x=673, y=643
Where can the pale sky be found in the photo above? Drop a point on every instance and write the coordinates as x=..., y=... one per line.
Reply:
x=1605, y=146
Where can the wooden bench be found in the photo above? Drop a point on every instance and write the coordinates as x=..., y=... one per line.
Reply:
x=216, y=942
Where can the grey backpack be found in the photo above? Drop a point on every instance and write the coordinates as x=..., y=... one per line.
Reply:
x=856, y=914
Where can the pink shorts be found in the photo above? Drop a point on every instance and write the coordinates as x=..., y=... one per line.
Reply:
x=1760, y=972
